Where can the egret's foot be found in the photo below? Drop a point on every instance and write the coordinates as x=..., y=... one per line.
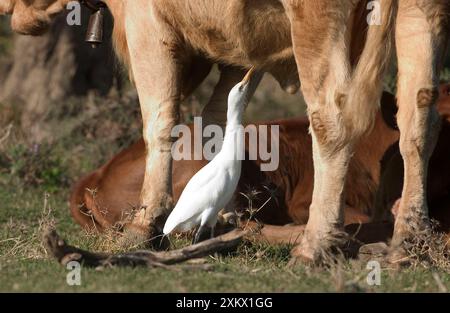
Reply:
x=317, y=249
x=197, y=235
x=203, y=233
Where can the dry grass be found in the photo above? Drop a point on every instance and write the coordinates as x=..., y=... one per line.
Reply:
x=429, y=249
x=29, y=244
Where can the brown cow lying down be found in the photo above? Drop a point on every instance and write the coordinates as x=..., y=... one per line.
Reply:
x=106, y=197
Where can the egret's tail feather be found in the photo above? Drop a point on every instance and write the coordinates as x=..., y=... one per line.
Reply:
x=168, y=227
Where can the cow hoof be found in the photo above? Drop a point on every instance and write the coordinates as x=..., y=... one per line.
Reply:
x=300, y=254
x=322, y=248
x=409, y=227
x=298, y=257
x=137, y=236
x=308, y=255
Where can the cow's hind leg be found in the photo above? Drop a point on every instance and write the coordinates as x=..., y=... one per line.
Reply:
x=420, y=38
x=341, y=102
x=322, y=55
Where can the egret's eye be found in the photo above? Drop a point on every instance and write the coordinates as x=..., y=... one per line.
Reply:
x=241, y=88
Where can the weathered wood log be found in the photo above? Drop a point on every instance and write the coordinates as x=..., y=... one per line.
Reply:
x=65, y=253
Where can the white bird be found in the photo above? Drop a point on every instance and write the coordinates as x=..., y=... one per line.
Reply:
x=211, y=188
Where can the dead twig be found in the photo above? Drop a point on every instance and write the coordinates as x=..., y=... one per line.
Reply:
x=65, y=253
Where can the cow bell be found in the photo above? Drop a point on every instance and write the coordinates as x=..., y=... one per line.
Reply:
x=94, y=34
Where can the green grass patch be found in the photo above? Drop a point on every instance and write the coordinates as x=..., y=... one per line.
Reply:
x=24, y=265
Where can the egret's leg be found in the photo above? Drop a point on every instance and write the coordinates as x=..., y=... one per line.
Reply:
x=198, y=234
x=212, y=231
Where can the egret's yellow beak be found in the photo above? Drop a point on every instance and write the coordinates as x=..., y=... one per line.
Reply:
x=250, y=83
x=248, y=76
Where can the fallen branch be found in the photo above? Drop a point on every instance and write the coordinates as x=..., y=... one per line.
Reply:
x=65, y=253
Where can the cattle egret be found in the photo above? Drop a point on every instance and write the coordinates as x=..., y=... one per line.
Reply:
x=212, y=188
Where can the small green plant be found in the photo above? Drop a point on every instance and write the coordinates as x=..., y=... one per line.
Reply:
x=35, y=165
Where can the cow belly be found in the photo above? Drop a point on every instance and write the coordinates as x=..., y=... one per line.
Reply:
x=234, y=32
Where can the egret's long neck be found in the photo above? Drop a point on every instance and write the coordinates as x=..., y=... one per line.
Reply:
x=234, y=118
x=233, y=142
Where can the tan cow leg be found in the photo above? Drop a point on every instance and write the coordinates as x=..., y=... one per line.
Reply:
x=341, y=103
x=157, y=73
x=358, y=234
x=324, y=68
x=273, y=234
x=420, y=40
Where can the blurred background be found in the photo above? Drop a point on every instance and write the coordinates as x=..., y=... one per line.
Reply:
x=66, y=108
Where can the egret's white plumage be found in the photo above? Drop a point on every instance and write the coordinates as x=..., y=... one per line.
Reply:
x=211, y=188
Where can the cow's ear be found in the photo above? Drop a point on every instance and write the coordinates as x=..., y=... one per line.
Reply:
x=389, y=109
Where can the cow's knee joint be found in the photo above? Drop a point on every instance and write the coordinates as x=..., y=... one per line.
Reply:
x=340, y=100
x=330, y=130
x=427, y=97
x=319, y=127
